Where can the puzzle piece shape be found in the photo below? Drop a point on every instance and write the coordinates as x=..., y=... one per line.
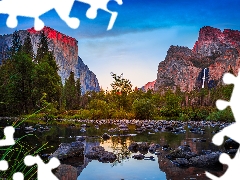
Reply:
x=44, y=170
x=18, y=176
x=36, y=8
x=3, y=165
x=233, y=167
x=232, y=130
x=101, y=4
x=8, y=132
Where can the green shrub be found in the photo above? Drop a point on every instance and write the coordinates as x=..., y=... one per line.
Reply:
x=224, y=115
x=169, y=113
x=119, y=114
x=143, y=108
x=183, y=117
x=197, y=113
x=85, y=114
x=96, y=114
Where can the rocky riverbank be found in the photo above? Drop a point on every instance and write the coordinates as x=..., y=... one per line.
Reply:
x=83, y=150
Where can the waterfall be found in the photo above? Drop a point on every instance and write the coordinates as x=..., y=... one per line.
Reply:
x=204, y=77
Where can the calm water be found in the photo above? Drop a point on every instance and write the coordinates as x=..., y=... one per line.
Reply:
x=125, y=167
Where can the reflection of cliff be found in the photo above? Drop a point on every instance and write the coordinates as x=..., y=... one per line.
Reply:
x=197, y=145
x=80, y=162
x=175, y=173
x=87, y=147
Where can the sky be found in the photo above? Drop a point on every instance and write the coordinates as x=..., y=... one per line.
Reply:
x=141, y=35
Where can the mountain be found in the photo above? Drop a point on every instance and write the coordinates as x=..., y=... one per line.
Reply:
x=148, y=86
x=214, y=53
x=65, y=50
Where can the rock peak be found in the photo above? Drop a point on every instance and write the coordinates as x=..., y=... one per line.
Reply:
x=55, y=35
x=65, y=51
x=213, y=40
x=178, y=51
x=214, y=53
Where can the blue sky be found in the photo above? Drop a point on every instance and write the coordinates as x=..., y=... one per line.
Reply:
x=141, y=35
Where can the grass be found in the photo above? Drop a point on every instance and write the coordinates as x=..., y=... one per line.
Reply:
x=16, y=153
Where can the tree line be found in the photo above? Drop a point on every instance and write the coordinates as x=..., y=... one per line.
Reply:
x=29, y=82
x=124, y=102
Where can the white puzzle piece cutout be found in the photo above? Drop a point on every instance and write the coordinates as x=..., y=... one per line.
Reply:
x=3, y=165
x=101, y=4
x=18, y=176
x=44, y=171
x=232, y=131
x=36, y=8
x=233, y=167
x=8, y=141
x=8, y=133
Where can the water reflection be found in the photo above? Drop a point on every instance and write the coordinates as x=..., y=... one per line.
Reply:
x=125, y=167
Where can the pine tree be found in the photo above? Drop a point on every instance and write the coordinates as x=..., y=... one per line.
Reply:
x=16, y=44
x=16, y=84
x=23, y=83
x=70, y=92
x=43, y=49
x=45, y=76
x=46, y=80
x=23, y=69
x=27, y=46
x=78, y=93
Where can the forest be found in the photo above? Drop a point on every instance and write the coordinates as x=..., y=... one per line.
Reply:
x=30, y=85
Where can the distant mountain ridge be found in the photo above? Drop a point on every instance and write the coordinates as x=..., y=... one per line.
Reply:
x=65, y=51
x=148, y=86
x=214, y=53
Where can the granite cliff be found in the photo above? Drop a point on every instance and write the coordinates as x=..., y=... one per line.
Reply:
x=214, y=53
x=148, y=86
x=65, y=50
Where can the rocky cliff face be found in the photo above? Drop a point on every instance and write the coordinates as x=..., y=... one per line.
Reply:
x=212, y=41
x=65, y=50
x=214, y=53
x=177, y=70
x=149, y=86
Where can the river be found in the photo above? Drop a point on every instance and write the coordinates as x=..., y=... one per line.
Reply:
x=125, y=167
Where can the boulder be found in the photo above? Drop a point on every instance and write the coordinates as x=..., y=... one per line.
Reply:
x=143, y=148
x=66, y=172
x=204, y=161
x=181, y=152
x=138, y=157
x=149, y=158
x=165, y=147
x=133, y=147
x=184, y=148
x=80, y=138
x=230, y=144
x=67, y=150
x=153, y=147
x=99, y=153
x=187, y=159
x=168, y=128
x=181, y=162
x=105, y=136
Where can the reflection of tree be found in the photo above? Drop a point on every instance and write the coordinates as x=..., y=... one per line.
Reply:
x=120, y=148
